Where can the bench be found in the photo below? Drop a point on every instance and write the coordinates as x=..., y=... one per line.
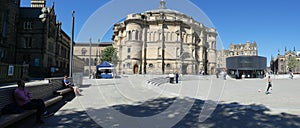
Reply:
x=43, y=91
x=9, y=119
x=64, y=91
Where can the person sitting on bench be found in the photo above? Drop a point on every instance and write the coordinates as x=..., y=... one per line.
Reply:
x=24, y=99
x=68, y=84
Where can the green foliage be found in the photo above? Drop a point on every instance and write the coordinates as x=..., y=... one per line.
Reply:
x=109, y=54
x=292, y=64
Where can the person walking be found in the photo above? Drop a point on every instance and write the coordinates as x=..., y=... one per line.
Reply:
x=24, y=99
x=176, y=76
x=269, y=85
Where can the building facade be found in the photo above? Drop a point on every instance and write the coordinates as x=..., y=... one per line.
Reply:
x=163, y=41
x=41, y=42
x=9, y=12
x=247, y=49
x=280, y=64
x=85, y=51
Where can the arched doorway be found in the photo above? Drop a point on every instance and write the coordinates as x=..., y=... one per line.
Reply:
x=135, y=69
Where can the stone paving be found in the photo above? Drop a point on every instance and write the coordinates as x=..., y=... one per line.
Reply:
x=197, y=101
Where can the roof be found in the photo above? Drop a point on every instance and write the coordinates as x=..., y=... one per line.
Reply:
x=163, y=9
x=94, y=44
x=104, y=64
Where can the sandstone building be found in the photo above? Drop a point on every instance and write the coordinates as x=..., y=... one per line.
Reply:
x=83, y=51
x=280, y=64
x=163, y=41
x=247, y=49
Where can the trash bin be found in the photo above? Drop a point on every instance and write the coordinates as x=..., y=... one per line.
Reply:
x=171, y=77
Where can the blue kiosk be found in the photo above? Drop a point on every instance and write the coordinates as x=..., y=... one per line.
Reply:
x=105, y=70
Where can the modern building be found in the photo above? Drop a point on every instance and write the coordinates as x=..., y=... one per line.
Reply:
x=246, y=66
x=163, y=41
x=85, y=51
x=284, y=63
x=247, y=49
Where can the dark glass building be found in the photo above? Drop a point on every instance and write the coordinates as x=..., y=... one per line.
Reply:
x=246, y=66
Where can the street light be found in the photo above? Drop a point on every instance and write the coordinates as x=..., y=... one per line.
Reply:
x=71, y=45
x=163, y=44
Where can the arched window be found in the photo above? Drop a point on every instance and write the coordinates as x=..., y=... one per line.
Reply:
x=136, y=35
x=83, y=51
x=129, y=35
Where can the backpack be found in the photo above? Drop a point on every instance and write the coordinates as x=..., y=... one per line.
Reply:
x=12, y=108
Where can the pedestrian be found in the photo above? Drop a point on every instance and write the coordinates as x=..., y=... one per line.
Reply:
x=224, y=75
x=291, y=75
x=24, y=99
x=176, y=77
x=69, y=84
x=269, y=85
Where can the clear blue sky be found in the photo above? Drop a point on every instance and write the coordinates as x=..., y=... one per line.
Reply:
x=273, y=24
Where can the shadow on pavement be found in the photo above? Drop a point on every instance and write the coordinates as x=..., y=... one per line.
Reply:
x=226, y=115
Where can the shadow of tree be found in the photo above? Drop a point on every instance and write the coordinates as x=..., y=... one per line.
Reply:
x=225, y=115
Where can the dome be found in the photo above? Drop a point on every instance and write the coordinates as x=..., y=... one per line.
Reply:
x=163, y=9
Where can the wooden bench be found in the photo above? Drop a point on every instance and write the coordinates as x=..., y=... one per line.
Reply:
x=43, y=91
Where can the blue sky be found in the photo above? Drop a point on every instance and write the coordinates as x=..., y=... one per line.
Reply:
x=273, y=24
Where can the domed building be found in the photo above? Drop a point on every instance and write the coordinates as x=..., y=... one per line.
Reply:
x=164, y=41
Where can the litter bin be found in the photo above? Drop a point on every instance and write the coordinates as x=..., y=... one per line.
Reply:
x=171, y=77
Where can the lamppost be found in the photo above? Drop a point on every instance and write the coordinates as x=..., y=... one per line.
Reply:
x=71, y=45
x=163, y=44
x=90, y=58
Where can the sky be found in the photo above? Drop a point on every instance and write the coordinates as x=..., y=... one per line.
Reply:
x=273, y=24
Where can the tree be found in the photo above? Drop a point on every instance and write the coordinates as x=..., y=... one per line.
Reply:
x=110, y=55
x=292, y=64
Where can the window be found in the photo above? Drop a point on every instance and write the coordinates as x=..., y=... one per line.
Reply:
x=128, y=50
x=168, y=65
x=137, y=35
x=37, y=62
x=83, y=51
x=129, y=35
x=128, y=57
x=151, y=65
x=128, y=65
x=28, y=42
x=27, y=25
